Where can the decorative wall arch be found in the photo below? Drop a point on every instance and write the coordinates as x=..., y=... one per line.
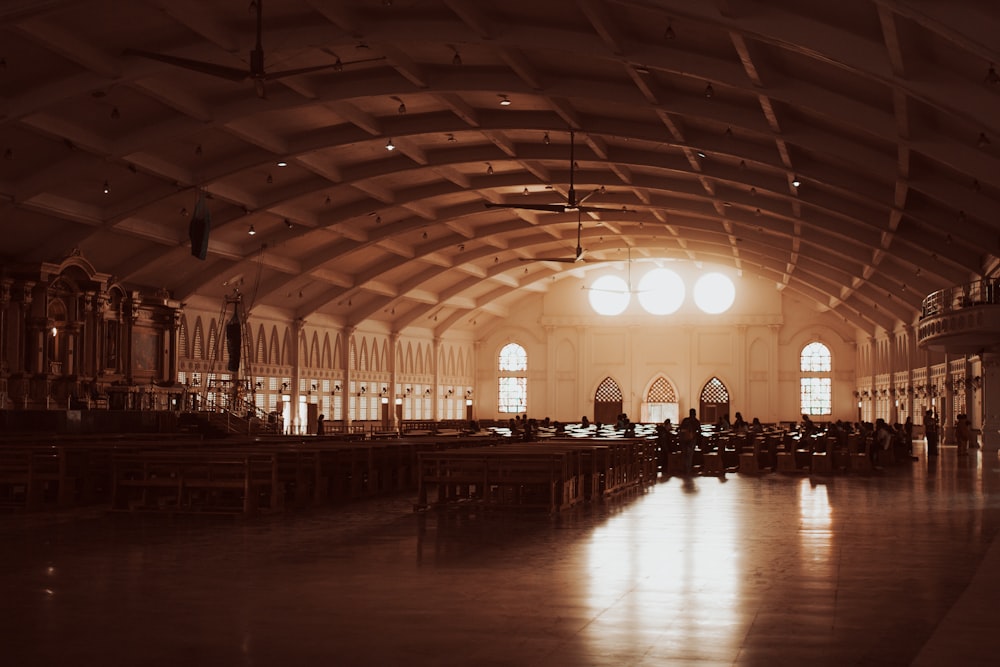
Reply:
x=713, y=400
x=198, y=347
x=314, y=353
x=286, y=348
x=260, y=354
x=274, y=350
x=338, y=352
x=326, y=360
x=608, y=400
x=183, y=346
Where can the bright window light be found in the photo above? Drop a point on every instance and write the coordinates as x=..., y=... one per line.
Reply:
x=609, y=295
x=661, y=292
x=714, y=293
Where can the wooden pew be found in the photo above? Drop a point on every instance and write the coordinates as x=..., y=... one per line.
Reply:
x=207, y=481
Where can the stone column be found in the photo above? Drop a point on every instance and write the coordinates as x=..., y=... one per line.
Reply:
x=436, y=382
x=298, y=325
x=774, y=387
x=991, y=401
x=345, y=389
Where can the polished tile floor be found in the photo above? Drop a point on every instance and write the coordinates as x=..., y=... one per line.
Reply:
x=899, y=568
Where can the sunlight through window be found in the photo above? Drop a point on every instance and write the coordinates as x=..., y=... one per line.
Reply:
x=661, y=292
x=609, y=295
x=714, y=293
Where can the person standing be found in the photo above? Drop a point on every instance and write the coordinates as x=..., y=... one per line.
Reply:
x=319, y=424
x=931, y=433
x=688, y=432
x=963, y=433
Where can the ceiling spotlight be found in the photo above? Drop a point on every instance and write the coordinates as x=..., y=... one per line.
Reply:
x=327, y=200
x=456, y=59
x=402, y=108
x=389, y=146
x=489, y=169
x=796, y=182
x=525, y=193
x=252, y=231
x=743, y=164
x=709, y=91
x=270, y=179
x=288, y=223
x=425, y=235
x=107, y=187
x=115, y=114
x=700, y=154
x=451, y=138
x=282, y=163
x=545, y=139
x=504, y=101
x=983, y=140
x=669, y=33
x=378, y=219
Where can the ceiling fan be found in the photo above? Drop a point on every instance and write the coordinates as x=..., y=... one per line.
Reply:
x=568, y=260
x=256, y=73
x=572, y=203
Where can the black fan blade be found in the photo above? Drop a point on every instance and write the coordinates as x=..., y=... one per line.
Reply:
x=606, y=209
x=548, y=208
x=564, y=260
x=271, y=76
x=212, y=69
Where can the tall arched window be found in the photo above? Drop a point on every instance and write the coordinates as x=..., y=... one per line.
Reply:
x=512, y=383
x=815, y=383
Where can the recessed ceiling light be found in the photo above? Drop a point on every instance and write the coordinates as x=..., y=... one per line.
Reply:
x=282, y=163
x=504, y=101
x=389, y=146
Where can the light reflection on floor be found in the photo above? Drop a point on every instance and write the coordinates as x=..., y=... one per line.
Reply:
x=761, y=570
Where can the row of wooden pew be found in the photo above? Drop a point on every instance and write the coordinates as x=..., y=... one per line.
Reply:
x=777, y=451
x=194, y=475
x=188, y=474
x=553, y=474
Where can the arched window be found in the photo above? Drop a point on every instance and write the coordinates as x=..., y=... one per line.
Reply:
x=512, y=385
x=714, y=401
x=815, y=383
x=661, y=402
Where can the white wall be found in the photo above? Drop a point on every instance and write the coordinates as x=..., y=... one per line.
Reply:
x=753, y=348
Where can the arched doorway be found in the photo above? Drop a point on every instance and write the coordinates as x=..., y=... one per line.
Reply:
x=607, y=402
x=661, y=402
x=714, y=401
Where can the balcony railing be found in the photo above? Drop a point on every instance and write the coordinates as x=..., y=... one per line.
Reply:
x=951, y=299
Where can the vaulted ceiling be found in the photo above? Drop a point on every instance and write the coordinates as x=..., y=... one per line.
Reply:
x=690, y=123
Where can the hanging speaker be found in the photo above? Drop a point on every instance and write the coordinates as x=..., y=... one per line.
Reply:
x=201, y=225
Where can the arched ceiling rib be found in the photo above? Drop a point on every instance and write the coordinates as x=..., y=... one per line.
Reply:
x=885, y=109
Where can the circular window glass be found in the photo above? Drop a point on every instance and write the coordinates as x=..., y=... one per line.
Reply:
x=609, y=295
x=661, y=292
x=714, y=293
